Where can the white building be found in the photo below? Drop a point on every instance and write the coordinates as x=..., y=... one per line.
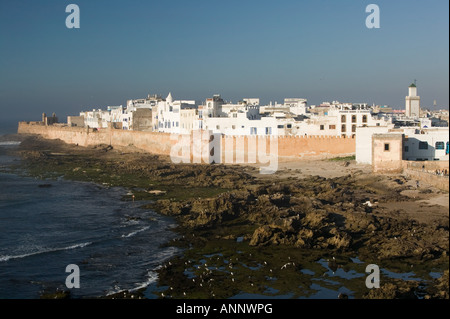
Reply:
x=241, y=125
x=96, y=118
x=364, y=141
x=149, y=102
x=428, y=144
x=293, y=106
x=168, y=115
x=297, y=106
x=115, y=113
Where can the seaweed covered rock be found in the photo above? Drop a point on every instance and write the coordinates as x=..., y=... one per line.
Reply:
x=396, y=289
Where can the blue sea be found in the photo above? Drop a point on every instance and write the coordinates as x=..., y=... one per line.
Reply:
x=8, y=127
x=116, y=244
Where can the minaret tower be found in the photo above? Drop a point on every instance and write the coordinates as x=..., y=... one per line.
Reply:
x=412, y=102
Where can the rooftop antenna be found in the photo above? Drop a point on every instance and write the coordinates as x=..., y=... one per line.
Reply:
x=415, y=82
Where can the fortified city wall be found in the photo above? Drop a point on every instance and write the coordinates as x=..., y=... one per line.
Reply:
x=289, y=147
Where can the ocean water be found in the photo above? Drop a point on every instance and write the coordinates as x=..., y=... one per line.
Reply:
x=43, y=229
x=8, y=127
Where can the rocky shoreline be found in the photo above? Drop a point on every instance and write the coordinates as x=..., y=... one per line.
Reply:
x=262, y=236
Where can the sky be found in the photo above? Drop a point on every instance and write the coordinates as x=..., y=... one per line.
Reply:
x=320, y=50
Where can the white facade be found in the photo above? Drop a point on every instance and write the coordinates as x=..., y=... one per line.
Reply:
x=296, y=106
x=168, y=114
x=293, y=106
x=349, y=120
x=115, y=113
x=149, y=102
x=427, y=145
x=188, y=120
x=241, y=125
x=96, y=118
x=419, y=144
x=230, y=110
x=363, y=142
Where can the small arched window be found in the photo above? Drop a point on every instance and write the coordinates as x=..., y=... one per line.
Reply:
x=364, y=118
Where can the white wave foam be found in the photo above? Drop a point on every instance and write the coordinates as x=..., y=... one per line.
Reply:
x=136, y=232
x=151, y=278
x=9, y=143
x=7, y=257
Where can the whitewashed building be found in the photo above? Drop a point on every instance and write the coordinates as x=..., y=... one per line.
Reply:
x=168, y=115
x=96, y=118
x=429, y=144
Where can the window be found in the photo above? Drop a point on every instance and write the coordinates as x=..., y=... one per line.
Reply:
x=353, y=128
x=253, y=131
x=289, y=126
x=423, y=145
x=268, y=131
x=322, y=127
x=343, y=128
x=386, y=147
x=364, y=119
x=343, y=118
x=280, y=126
x=332, y=127
x=353, y=118
x=440, y=145
x=406, y=149
x=378, y=124
x=234, y=115
x=218, y=127
x=233, y=127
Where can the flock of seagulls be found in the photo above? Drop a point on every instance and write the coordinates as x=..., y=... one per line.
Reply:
x=204, y=273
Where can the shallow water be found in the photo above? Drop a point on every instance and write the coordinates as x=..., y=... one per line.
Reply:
x=116, y=244
x=237, y=271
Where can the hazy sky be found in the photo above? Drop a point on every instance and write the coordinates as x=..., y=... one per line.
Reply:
x=316, y=49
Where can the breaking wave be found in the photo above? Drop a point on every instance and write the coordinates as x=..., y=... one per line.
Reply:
x=136, y=232
x=44, y=251
x=9, y=143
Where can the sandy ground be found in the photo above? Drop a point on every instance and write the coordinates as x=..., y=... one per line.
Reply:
x=428, y=204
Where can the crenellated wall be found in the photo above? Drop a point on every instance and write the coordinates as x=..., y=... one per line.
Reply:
x=288, y=147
